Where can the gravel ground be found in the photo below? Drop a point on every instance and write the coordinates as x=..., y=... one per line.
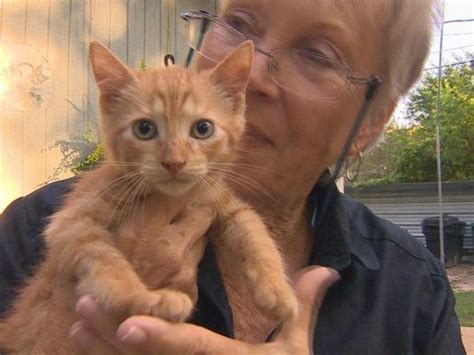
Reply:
x=461, y=277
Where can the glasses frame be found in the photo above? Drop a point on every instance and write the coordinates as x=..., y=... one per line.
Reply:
x=190, y=15
x=372, y=84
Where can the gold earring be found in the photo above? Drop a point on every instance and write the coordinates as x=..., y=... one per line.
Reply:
x=352, y=174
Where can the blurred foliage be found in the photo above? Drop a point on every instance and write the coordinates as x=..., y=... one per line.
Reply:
x=80, y=152
x=407, y=152
x=142, y=64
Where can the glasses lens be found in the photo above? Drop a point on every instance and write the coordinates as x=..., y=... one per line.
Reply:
x=304, y=72
x=212, y=39
x=309, y=74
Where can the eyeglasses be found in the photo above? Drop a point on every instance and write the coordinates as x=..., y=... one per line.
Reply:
x=305, y=72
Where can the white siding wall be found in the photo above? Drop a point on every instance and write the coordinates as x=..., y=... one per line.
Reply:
x=406, y=205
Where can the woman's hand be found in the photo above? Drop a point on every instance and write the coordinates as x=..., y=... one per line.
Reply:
x=148, y=335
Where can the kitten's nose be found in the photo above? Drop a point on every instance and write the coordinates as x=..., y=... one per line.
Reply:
x=174, y=166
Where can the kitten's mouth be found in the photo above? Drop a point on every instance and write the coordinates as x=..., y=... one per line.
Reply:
x=176, y=180
x=253, y=134
x=174, y=185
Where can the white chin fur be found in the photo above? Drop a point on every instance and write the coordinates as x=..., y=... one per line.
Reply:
x=174, y=188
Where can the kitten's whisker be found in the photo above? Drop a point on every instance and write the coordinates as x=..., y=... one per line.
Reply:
x=121, y=164
x=127, y=189
x=212, y=189
x=139, y=196
x=243, y=179
x=243, y=184
x=247, y=185
x=126, y=205
x=252, y=152
x=222, y=187
x=204, y=183
x=129, y=198
x=117, y=204
x=113, y=184
x=218, y=189
x=246, y=166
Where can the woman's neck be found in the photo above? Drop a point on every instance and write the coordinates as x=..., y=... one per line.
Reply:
x=289, y=227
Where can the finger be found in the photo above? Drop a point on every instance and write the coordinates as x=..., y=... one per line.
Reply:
x=312, y=283
x=311, y=287
x=88, y=340
x=95, y=319
x=194, y=222
x=147, y=334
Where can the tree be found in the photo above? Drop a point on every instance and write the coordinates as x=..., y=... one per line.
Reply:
x=407, y=153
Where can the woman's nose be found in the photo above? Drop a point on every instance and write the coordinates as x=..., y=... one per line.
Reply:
x=261, y=82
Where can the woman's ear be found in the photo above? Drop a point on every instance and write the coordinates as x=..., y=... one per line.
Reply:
x=372, y=127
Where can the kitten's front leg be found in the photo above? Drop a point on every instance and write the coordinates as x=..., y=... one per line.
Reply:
x=245, y=240
x=115, y=284
x=101, y=270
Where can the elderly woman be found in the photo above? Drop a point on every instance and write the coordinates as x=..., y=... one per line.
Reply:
x=326, y=79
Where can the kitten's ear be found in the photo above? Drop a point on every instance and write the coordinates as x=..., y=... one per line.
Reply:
x=109, y=71
x=233, y=72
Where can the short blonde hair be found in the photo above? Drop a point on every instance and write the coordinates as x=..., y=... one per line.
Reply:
x=406, y=27
x=409, y=32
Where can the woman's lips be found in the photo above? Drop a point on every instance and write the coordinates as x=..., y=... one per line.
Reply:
x=252, y=133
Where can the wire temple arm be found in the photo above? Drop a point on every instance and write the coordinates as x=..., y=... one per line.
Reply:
x=372, y=86
x=188, y=16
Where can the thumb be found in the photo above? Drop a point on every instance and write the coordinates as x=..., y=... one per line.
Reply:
x=312, y=283
x=311, y=286
x=149, y=335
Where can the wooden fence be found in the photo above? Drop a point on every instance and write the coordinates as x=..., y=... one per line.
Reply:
x=60, y=30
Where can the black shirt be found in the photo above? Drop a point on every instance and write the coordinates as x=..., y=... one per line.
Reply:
x=393, y=296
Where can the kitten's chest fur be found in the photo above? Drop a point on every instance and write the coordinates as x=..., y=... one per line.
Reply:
x=145, y=236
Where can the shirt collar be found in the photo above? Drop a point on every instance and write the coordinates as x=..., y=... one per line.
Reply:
x=337, y=242
x=338, y=239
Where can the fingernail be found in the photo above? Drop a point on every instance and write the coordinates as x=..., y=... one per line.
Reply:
x=80, y=335
x=335, y=276
x=75, y=328
x=132, y=335
x=86, y=307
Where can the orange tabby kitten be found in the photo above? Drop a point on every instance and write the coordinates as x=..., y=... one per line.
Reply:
x=163, y=131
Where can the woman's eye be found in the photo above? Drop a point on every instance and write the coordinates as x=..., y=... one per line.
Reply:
x=239, y=24
x=202, y=129
x=144, y=129
x=316, y=57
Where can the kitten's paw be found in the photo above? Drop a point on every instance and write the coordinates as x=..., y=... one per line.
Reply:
x=174, y=306
x=275, y=297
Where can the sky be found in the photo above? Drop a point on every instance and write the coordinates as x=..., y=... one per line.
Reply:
x=458, y=39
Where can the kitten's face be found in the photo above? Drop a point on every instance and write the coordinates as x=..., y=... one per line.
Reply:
x=175, y=127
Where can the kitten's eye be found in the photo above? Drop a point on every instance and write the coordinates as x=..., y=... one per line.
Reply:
x=202, y=129
x=145, y=129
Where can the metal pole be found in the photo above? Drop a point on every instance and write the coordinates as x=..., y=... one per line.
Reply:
x=438, y=143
